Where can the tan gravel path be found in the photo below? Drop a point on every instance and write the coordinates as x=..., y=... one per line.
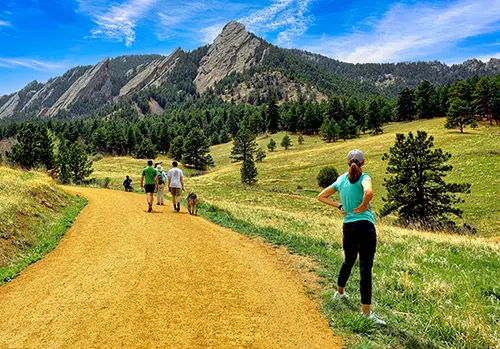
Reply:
x=123, y=278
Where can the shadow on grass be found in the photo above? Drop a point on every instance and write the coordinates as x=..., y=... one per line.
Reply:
x=343, y=316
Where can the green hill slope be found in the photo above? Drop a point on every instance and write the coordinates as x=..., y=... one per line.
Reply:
x=34, y=215
x=435, y=290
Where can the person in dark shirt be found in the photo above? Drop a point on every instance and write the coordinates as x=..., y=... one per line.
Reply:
x=127, y=184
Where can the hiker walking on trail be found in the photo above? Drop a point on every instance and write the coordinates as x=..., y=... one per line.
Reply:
x=162, y=179
x=176, y=185
x=359, y=234
x=149, y=182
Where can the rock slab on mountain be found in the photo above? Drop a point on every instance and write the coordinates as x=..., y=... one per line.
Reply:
x=8, y=108
x=153, y=75
x=95, y=83
x=233, y=50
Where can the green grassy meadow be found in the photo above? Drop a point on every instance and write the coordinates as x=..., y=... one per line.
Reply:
x=434, y=289
x=34, y=215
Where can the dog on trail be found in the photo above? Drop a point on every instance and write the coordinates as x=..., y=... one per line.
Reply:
x=193, y=204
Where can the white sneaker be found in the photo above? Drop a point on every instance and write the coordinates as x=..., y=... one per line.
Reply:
x=338, y=296
x=376, y=320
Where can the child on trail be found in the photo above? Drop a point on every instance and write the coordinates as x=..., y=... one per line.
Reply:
x=162, y=179
x=149, y=182
x=176, y=185
x=359, y=234
x=127, y=183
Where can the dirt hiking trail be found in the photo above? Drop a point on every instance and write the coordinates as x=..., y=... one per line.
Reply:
x=123, y=278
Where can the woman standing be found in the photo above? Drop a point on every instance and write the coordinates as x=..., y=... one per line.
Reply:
x=359, y=235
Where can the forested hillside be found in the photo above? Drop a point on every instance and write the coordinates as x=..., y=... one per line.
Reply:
x=237, y=66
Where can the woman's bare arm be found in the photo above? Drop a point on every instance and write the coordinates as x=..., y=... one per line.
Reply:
x=368, y=196
x=324, y=197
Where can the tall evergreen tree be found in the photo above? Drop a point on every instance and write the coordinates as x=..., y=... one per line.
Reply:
x=248, y=171
x=460, y=114
x=417, y=191
x=374, y=118
x=406, y=109
x=330, y=131
x=272, y=116
x=176, y=148
x=73, y=163
x=426, y=100
x=483, y=96
x=244, y=146
x=145, y=150
x=196, y=149
x=34, y=147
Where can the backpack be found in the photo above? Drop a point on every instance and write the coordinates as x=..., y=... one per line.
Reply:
x=161, y=178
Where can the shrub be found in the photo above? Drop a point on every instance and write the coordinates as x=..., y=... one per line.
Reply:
x=97, y=157
x=327, y=176
x=260, y=155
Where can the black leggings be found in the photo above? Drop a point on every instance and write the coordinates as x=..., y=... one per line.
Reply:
x=359, y=237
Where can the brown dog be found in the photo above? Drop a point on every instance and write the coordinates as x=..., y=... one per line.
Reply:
x=193, y=204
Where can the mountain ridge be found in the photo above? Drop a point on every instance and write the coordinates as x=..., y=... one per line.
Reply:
x=239, y=66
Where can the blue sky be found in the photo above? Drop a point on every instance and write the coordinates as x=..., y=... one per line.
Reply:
x=40, y=39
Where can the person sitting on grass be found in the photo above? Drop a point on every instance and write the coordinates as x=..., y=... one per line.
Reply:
x=127, y=183
x=149, y=182
x=359, y=234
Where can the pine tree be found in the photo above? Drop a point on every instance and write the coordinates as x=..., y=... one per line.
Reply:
x=196, y=149
x=34, y=147
x=300, y=140
x=460, y=114
x=330, y=131
x=286, y=142
x=73, y=163
x=163, y=139
x=271, y=145
x=406, y=109
x=417, y=191
x=483, y=96
x=248, y=172
x=272, y=116
x=260, y=155
x=351, y=128
x=374, y=119
x=176, y=147
x=145, y=150
x=426, y=100
x=244, y=146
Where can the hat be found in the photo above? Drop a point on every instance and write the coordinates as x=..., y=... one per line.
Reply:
x=159, y=168
x=355, y=155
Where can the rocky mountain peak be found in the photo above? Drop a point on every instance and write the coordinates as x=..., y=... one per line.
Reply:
x=153, y=74
x=233, y=50
x=95, y=83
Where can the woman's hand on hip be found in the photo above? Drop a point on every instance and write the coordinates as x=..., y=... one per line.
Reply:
x=360, y=209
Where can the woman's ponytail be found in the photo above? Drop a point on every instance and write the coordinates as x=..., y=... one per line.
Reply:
x=355, y=172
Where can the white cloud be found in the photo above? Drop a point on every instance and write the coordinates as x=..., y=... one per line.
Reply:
x=117, y=21
x=4, y=24
x=486, y=58
x=290, y=18
x=28, y=63
x=210, y=33
x=412, y=31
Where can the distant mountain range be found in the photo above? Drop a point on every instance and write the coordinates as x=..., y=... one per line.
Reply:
x=237, y=66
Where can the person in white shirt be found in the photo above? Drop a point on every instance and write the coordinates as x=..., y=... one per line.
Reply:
x=176, y=185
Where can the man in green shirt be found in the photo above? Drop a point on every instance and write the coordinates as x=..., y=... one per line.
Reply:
x=149, y=182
